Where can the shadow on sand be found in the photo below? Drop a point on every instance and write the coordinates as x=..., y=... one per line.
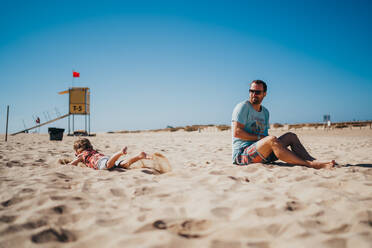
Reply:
x=337, y=166
x=359, y=165
x=283, y=164
x=117, y=169
x=146, y=171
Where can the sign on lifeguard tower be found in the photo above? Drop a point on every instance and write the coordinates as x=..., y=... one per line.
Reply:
x=79, y=103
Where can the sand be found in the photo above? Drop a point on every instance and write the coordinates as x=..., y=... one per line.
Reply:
x=204, y=201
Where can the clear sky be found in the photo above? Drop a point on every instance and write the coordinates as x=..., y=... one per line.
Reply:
x=150, y=64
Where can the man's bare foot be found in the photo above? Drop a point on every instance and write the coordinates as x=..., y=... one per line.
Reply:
x=144, y=155
x=124, y=151
x=322, y=165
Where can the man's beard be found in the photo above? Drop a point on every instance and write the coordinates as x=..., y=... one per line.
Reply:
x=256, y=100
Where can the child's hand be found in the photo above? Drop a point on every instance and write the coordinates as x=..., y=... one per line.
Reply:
x=124, y=151
x=64, y=161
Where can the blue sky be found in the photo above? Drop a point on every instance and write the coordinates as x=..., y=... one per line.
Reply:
x=150, y=64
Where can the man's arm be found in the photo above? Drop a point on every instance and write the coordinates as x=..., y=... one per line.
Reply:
x=240, y=133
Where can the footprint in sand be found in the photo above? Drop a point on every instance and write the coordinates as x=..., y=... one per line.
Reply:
x=188, y=228
x=224, y=244
x=217, y=172
x=27, y=190
x=58, y=198
x=14, y=163
x=63, y=176
x=366, y=217
x=275, y=229
x=328, y=185
x=262, y=244
x=87, y=187
x=335, y=243
x=250, y=169
x=301, y=178
x=7, y=218
x=11, y=229
x=57, y=211
x=311, y=224
x=118, y=192
x=108, y=222
x=144, y=191
x=267, y=212
x=30, y=225
x=52, y=235
x=318, y=214
x=60, y=209
x=338, y=230
x=222, y=212
x=240, y=179
x=34, y=224
x=293, y=206
x=81, y=201
x=12, y=201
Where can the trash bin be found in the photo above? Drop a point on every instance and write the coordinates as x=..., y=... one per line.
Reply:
x=55, y=133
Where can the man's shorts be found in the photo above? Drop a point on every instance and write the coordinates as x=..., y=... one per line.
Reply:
x=249, y=154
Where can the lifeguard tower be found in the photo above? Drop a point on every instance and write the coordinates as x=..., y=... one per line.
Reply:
x=79, y=104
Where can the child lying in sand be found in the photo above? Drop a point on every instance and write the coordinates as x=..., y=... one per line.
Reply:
x=92, y=158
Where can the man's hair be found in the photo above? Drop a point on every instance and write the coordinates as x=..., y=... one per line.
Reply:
x=82, y=143
x=260, y=82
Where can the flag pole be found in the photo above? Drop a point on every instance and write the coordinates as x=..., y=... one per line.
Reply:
x=72, y=82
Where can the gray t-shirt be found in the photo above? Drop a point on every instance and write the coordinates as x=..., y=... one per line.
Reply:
x=254, y=122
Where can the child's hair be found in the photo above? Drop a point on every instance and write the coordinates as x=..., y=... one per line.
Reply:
x=82, y=143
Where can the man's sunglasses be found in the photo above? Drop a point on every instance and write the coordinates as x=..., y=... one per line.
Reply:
x=257, y=92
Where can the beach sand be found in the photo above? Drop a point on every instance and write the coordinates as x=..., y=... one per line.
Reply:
x=205, y=201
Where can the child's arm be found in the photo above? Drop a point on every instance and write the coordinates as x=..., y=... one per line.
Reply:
x=76, y=161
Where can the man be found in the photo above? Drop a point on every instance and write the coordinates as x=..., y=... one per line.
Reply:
x=251, y=142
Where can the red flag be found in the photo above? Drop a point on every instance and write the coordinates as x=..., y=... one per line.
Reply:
x=75, y=74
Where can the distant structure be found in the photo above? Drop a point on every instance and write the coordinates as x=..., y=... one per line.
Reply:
x=327, y=120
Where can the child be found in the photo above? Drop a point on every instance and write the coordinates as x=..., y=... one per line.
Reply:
x=92, y=158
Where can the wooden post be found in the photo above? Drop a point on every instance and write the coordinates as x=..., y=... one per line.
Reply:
x=85, y=114
x=69, y=107
x=89, y=123
x=7, y=118
x=68, y=124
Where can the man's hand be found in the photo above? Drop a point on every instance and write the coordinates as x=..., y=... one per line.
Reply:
x=240, y=133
